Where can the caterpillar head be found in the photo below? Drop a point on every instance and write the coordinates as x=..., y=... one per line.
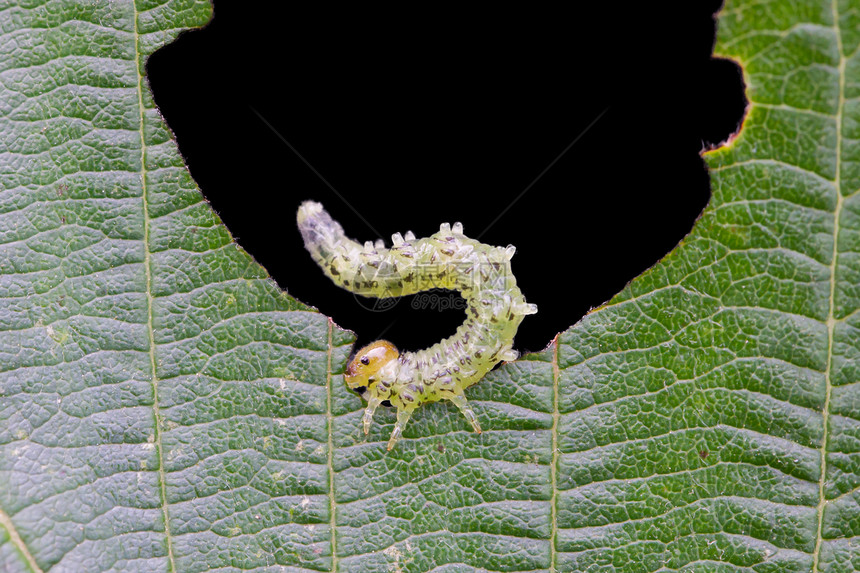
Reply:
x=362, y=369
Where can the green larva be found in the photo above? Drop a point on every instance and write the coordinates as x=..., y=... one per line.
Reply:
x=447, y=259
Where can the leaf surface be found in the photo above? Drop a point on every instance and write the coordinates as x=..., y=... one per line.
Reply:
x=165, y=407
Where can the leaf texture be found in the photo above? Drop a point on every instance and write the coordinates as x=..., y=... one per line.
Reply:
x=165, y=407
x=709, y=418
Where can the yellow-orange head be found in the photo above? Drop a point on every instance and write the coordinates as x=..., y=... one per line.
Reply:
x=362, y=369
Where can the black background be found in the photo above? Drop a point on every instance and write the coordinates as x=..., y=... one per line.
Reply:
x=422, y=114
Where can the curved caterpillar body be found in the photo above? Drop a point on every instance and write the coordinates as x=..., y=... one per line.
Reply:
x=448, y=259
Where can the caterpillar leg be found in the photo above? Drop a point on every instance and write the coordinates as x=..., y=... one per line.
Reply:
x=402, y=418
x=460, y=401
x=372, y=404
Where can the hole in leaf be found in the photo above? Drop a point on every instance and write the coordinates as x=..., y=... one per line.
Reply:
x=489, y=118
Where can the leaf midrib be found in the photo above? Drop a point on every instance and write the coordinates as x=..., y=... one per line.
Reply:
x=831, y=321
x=147, y=265
x=19, y=543
x=553, y=469
x=330, y=453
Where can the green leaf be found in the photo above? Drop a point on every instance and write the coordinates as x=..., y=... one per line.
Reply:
x=165, y=407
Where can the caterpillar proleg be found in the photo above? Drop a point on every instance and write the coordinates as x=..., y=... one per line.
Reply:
x=449, y=260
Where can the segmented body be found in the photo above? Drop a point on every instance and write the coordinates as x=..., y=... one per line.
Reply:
x=449, y=260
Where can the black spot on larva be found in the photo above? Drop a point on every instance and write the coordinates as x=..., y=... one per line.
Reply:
x=386, y=403
x=334, y=271
x=360, y=390
x=409, y=278
x=449, y=252
x=345, y=282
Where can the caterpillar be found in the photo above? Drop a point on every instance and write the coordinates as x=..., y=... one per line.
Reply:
x=447, y=259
